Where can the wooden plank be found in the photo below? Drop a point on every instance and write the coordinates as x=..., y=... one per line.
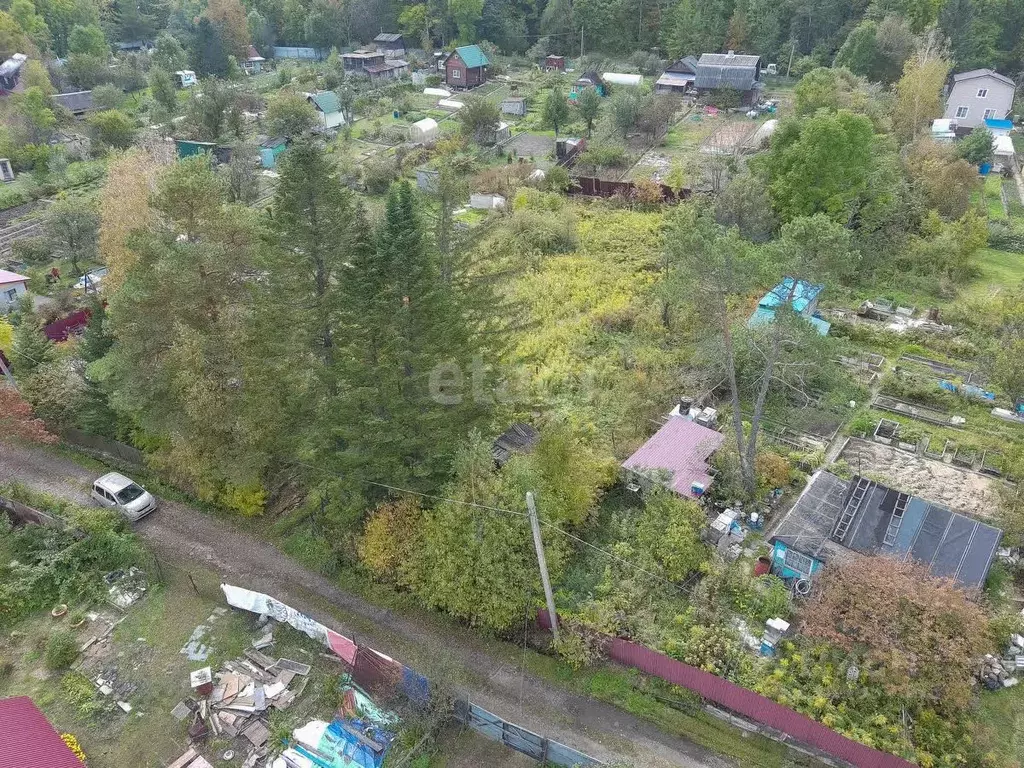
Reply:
x=185, y=759
x=374, y=745
x=294, y=666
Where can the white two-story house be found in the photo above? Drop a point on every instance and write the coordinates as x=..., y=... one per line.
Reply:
x=978, y=95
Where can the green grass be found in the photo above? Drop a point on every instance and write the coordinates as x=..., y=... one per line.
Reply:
x=998, y=271
x=1001, y=715
x=993, y=197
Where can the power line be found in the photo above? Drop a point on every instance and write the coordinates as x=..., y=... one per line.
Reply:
x=412, y=492
x=543, y=522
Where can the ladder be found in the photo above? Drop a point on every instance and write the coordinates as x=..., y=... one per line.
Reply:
x=851, y=509
x=896, y=520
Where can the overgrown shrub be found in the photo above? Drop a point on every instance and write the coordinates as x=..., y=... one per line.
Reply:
x=61, y=649
x=378, y=175
x=53, y=565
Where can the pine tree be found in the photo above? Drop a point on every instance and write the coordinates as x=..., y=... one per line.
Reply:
x=31, y=348
x=406, y=370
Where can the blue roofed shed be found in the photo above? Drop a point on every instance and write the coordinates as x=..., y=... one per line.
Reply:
x=800, y=295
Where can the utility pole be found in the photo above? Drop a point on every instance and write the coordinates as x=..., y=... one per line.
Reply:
x=583, y=25
x=791, y=52
x=539, y=544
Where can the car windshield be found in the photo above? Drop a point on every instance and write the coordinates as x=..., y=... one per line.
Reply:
x=129, y=493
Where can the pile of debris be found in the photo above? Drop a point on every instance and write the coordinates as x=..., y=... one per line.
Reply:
x=996, y=673
x=236, y=702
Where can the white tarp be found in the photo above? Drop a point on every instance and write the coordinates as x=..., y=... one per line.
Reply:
x=257, y=602
x=1002, y=146
x=450, y=104
x=437, y=92
x=423, y=130
x=618, y=78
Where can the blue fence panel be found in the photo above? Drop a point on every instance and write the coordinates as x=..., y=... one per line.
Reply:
x=529, y=743
x=291, y=52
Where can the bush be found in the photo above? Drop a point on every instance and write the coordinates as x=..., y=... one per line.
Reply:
x=61, y=649
x=1005, y=237
x=604, y=156
x=378, y=175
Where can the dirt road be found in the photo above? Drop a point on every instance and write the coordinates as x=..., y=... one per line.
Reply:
x=183, y=535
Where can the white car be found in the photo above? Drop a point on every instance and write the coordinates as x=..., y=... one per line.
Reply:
x=128, y=497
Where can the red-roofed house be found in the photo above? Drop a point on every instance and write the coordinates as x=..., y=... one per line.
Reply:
x=27, y=740
x=676, y=456
x=12, y=288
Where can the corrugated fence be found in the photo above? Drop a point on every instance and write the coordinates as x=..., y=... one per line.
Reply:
x=292, y=52
x=748, y=704
x=518, y=738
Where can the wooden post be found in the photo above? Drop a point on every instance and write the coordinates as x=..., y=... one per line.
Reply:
x=538, y=543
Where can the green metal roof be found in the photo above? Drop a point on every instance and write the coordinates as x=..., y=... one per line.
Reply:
x=327, y=102
x=472, y=56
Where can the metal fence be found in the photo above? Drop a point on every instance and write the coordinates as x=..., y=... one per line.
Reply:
x=103, y=445
x=747, y=704
x=518, y=738
x=291, y=52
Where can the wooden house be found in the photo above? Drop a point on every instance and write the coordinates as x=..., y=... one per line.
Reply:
x=466, y=67
x=730, y=70
x=391, y=44
x=359, y=61
x=554, y=64
x=679, y=77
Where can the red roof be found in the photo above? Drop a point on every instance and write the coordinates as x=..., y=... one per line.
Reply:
x=27, y=740
x=682, y=448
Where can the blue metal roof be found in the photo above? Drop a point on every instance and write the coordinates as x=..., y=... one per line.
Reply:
x=803, y=293
x=801, y=296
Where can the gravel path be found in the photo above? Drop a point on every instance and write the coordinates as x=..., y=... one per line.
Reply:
x=182, y=535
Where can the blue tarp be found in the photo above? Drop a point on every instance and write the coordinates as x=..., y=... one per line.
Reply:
x=998, y=125
x=968, y=390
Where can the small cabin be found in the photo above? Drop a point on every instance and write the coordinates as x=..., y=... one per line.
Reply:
x=253, y=64
x=328, y=109
x=391, y=69
x=270, y=149
x=554, y=64
x=466, y=67
x=358, y=62
x=513, y=105
x=79, y=103
x=185, y=78
x=587, y=80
